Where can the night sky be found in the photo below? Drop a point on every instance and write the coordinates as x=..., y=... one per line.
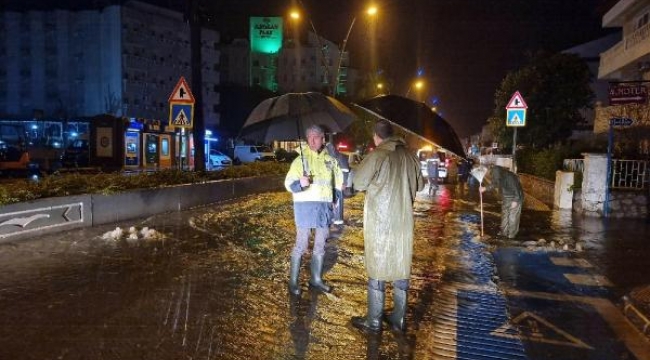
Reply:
x=464, y=47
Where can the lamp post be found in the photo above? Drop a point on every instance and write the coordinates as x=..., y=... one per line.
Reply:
x=371, y=11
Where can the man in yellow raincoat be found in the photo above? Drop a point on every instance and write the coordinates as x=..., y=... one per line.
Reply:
x=390, y=175
x=310, y=179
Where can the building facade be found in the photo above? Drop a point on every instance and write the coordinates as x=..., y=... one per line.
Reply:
x=300, y=65
x=122, y=60
x=626, y=65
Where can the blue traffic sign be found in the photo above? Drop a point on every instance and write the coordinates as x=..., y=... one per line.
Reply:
x=516, y=117
x=181, y=115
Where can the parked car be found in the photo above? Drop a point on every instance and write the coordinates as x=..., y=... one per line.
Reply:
x=252, y=153
x=218, y=160
x=76, y=155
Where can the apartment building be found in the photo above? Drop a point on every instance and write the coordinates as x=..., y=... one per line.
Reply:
x=122, y=60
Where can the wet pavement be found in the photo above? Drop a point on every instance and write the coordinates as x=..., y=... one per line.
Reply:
x=211, y=284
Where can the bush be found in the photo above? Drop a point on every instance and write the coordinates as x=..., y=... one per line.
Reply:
x=109, y=183
x=545, y=162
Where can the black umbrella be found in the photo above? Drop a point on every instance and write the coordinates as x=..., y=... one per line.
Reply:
x=286, y=117
x=416, y=118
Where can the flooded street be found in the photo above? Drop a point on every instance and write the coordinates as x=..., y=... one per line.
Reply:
x=212, y=285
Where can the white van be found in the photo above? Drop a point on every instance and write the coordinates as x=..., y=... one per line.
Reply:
x=252, y=153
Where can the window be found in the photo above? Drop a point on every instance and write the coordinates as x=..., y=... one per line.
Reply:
x=164, y=147
x=642, y=20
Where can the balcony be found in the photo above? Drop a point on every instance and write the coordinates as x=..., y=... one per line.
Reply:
x=623, y=57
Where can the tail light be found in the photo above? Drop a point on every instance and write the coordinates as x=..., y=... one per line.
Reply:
x=447, y=162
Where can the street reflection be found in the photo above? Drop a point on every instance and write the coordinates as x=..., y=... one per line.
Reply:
x=303, y=312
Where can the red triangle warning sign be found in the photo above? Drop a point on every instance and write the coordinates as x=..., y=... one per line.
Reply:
x=517, y=102
x=182, y=93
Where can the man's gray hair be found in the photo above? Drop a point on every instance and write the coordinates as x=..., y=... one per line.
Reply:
x=315, y=129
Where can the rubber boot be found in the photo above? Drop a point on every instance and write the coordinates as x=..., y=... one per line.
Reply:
x=294, y=272
x=396, y=318
x=372, y=321
x=316, y=280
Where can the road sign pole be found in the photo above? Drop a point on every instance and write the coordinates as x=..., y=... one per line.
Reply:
x=514, y=151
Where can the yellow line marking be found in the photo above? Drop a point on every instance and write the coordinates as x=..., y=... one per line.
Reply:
x=564, y=261
x=588, y=280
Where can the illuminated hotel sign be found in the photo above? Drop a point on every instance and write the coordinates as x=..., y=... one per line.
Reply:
x=266, y=34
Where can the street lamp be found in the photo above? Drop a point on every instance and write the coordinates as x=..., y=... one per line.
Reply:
x=380, y=88
x=371, y=11
x=418, y=85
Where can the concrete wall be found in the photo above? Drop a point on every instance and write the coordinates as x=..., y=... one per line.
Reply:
x=33, y=218
x=594, y=184
x=622, y=204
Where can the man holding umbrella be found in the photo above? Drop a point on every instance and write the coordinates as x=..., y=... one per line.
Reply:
x=310, y=179
x=391, y=176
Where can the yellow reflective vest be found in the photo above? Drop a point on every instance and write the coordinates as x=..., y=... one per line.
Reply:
x=324, y=171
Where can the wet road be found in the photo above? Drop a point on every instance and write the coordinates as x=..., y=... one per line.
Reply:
x=212, y=285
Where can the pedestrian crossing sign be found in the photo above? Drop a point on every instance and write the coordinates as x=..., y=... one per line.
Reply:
x=516, y=118
x=181, y=115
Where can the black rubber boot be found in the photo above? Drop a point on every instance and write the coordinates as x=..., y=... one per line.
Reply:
x=396, y=318
x=294, y=272
x=316, y=280
x=372, y=321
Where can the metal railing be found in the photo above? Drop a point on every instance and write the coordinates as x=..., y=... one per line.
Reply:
x=629, y=174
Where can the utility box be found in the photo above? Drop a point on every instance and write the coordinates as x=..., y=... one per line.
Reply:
x=563, y=195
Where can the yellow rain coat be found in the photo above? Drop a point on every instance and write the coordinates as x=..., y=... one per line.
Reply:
x=390, y=175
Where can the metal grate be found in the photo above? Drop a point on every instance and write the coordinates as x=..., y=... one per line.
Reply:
x=629, y=174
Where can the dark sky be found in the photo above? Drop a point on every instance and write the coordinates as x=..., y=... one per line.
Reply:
x=465, y=47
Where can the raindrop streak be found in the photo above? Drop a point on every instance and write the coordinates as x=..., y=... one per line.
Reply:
x=169, y=308
x=198, y=342
x=211, y=339
x=178, y=307
x=187, y=310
